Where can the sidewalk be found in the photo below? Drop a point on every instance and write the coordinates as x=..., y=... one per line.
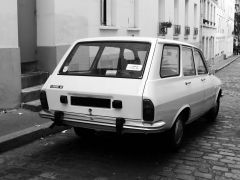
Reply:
x=19, y=127
x=222, y=63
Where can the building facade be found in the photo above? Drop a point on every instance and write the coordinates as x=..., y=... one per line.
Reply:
x=208, y=28
x=217, y=27
x=60, y=22
x=184, y=15
x=225, y=27
x=36, y=33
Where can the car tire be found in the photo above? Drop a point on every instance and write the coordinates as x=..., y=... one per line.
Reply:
x=213, y=113
x=176, y=133
x=81, y=132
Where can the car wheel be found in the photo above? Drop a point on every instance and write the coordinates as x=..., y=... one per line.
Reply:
x=176, y=133
x=81, y=132
x=213, y=113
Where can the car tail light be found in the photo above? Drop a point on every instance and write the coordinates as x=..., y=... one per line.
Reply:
x=43, y=99
x=148, y=110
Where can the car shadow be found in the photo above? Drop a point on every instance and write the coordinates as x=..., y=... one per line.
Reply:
x=135, y=147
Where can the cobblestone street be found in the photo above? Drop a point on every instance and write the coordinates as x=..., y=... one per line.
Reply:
x=210, y=150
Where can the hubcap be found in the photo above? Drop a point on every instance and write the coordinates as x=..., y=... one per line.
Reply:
x=178, y=131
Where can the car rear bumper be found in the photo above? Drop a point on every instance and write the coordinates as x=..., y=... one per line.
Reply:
x=100, y=123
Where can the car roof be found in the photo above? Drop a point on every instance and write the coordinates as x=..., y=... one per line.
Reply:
x=168, y=41
x=135, y=38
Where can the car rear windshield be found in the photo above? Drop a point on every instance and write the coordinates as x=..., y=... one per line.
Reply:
x=107, y=59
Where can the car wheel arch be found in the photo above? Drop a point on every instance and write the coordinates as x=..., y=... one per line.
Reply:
x=219, y=94
x=185, y=111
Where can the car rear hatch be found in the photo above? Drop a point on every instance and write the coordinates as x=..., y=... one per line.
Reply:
x=96, y=96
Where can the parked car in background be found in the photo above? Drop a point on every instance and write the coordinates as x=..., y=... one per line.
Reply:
x=131, y=85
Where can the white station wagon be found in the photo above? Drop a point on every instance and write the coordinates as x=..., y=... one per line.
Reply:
x=131, y=85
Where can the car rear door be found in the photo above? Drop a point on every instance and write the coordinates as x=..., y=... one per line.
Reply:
x=194, y=91
x=202, y=72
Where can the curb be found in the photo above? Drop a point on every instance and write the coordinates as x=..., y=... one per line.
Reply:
x=225, y=65
x=28, y=135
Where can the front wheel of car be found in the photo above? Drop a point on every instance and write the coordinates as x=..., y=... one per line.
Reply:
x=81, y=132
x=176, y=133
x=213, y=113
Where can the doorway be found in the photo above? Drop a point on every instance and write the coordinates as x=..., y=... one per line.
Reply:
x=27, y=32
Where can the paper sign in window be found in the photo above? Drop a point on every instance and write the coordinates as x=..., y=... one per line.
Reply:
x=111, y=73
x=134, y=67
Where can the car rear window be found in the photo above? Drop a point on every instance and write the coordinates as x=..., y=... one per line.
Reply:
x=107, y=59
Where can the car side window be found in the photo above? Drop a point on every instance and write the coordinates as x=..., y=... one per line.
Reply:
x=201, y=68
x=188, y=62
x=170, y=61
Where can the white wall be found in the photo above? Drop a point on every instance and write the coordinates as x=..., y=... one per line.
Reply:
x=45, y=23
x=9, y=25
x=148, y=18
x=73, y=19
x=76, y=19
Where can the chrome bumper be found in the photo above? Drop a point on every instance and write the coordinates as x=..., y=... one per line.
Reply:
x=102, y=123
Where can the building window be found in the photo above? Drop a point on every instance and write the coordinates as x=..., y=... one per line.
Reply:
x=133, y=13
x=195, y=33
x=104, y=12
x=195, y=15
x=204, y=9
x=211, y=15
x=214, y=17
x=161, y=10
x=176, y=11
x=208, y=11
x=187, y=30
x=186, y=11
x=176, y=30
x=107, y=13
x=161, y=18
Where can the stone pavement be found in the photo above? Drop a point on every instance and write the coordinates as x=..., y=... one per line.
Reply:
x=20, y=126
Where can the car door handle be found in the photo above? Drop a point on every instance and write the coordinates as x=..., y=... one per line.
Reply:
x=188, y=83
x=203, y=79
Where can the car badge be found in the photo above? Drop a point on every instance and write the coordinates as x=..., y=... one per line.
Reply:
x=56, y=86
